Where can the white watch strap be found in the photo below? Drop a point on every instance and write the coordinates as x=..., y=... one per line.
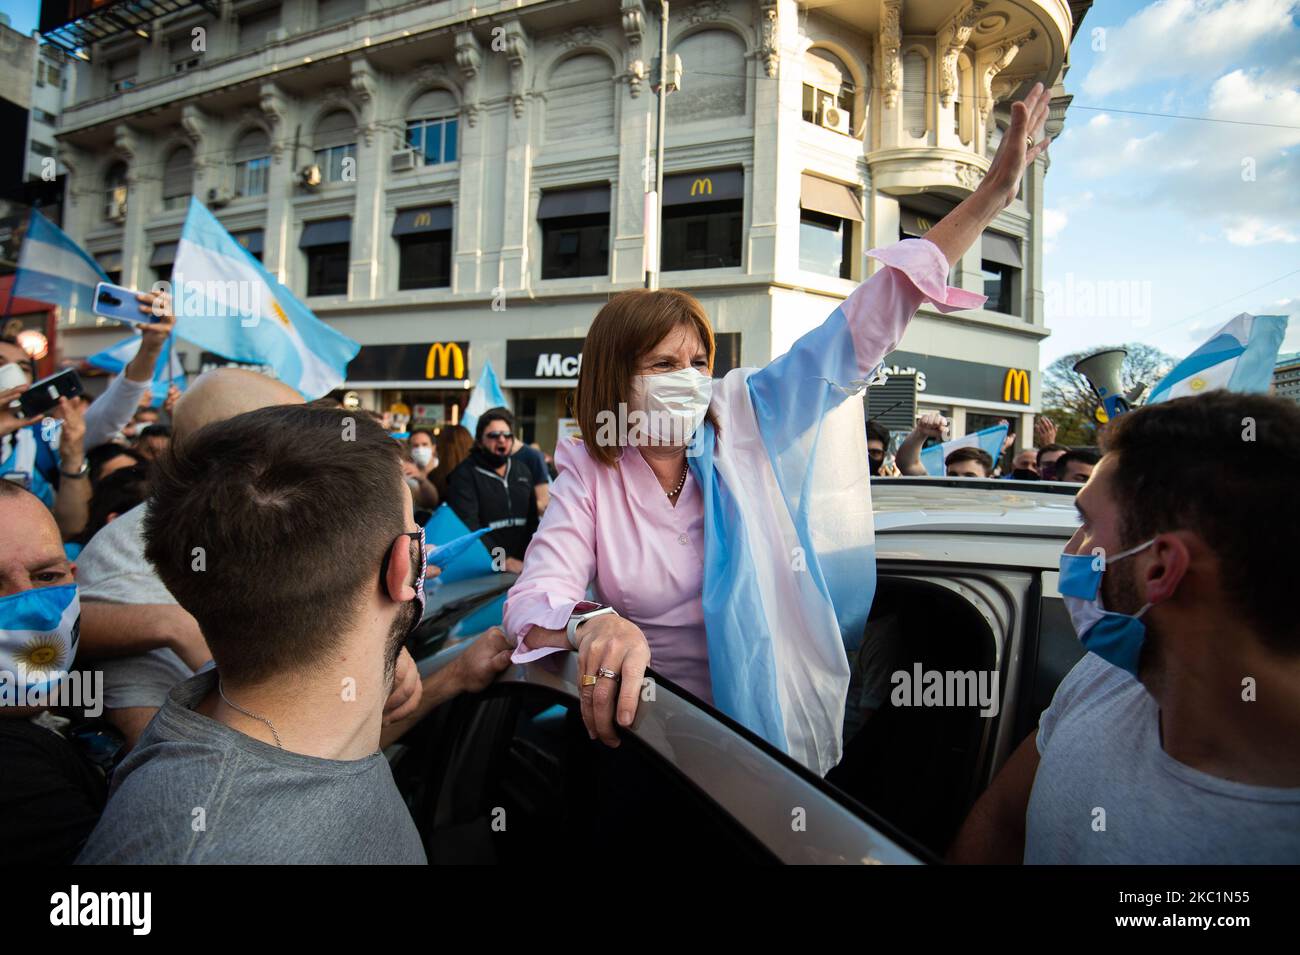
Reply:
x=572, y=628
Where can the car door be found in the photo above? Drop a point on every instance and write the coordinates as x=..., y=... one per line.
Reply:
x=510, y=776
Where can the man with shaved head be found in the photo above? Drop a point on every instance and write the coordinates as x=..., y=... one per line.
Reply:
x=146, y=642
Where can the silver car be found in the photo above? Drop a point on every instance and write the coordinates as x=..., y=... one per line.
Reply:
x=966, y=584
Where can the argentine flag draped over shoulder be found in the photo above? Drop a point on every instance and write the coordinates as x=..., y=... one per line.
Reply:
x=1239, y=357
x=789, y=542
x=226, y=302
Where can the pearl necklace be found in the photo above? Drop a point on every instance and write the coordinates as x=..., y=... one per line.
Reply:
x=686, y=466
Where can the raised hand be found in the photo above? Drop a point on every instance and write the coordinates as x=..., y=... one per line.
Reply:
x=1015, y=153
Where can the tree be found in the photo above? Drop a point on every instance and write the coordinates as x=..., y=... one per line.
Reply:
x=1071, y=403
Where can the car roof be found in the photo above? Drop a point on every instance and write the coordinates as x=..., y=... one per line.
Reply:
x=969, y=520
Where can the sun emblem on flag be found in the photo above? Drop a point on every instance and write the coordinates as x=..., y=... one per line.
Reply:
x=279, y=313
x=1196, y=384
x=41, y=653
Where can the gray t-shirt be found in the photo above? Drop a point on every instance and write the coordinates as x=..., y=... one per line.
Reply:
x=197, y=791
x=113, y=569
x=1100, y=747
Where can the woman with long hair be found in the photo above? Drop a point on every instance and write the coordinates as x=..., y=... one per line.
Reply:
x=453, y=444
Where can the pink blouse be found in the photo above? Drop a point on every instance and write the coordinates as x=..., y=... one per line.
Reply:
x=616, y=528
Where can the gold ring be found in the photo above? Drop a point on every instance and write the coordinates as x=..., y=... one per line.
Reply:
x=588, y=680
x=1029, y=142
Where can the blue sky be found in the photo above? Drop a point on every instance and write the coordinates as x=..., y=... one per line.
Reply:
x=1161, y=229
x=1206, y=212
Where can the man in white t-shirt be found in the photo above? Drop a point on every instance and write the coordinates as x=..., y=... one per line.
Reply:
x=1174, y=740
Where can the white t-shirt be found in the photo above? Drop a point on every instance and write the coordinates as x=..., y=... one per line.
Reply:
x=1099, y=743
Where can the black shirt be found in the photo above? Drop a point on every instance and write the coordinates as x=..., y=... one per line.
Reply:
x=482, y=498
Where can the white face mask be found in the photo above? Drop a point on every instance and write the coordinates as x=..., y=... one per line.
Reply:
x=674, y=405
x=422, y=455
x=11, y=376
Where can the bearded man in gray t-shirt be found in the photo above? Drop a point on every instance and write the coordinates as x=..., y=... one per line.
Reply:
x=1173, y=741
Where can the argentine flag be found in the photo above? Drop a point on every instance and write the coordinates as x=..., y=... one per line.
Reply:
x=486, y=395
x=168, y=369
x=227, y=303
x=54, y=269
x=1239, y=357
x=990, y=439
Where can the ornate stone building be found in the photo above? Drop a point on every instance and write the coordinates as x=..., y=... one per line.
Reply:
x=473, y=174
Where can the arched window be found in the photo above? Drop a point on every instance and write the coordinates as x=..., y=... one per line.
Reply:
x=580, y=99
x=115, y=191
x=252, y=163
x=335, y=146
x=915, y=89
x=829, y=93
x=963, y=105
x=432, y=129
x=178, y=178
x=713, y=76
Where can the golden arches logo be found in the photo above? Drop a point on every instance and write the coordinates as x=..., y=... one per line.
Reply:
x=423, y=219
x=446, y=355
x=702, y=187
x=1015, y=386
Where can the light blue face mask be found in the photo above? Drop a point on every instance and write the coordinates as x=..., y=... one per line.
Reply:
x=39, y=630
x=1115, y=637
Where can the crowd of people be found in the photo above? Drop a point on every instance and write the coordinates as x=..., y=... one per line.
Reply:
x=241, y=572
x=1049, y=461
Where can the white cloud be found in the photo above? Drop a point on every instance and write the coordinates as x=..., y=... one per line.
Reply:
x=1253, y=232
x=1174, y=38
x=1054, y=220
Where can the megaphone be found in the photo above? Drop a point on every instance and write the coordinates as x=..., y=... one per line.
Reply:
x=1102, y=372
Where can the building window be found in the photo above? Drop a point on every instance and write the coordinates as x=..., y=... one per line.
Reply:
x=575, y=232
x=915, y=87
x=41, y=116
x=47, y=74
x=828, y=92
x=335, y=147
x=121, y=73
x=424, y=240
x=827, y=213
x=703, y=220
x=178, y=177
x=115, y=191
x=164, y=254
x=334, y=11
x=714, y=77
x=252, y=163
x=42, y=149
x=434, y=140
x=251, y=242
x=327, y=243
x=580, y=99
x=255, y=25
x=1000, y=264
x=111, y=263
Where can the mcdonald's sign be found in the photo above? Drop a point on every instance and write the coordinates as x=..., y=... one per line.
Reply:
x=702, y=187
x=447, y=356
x=423, y=219
x=1015, y=386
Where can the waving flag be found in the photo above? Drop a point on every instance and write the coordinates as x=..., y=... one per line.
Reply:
x=1239, y=357
x=990, y=439
x=168, y=369
x=487, y=394
x=227, y=303
x=52, y=268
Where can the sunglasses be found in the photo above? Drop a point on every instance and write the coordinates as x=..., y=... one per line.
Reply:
x=498, y=435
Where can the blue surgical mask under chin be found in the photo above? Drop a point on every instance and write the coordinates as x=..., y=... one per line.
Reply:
x=1115, y=637
x=39, y=630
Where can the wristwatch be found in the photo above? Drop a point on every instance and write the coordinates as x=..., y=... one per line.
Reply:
x=85, y=469
x=583, y=611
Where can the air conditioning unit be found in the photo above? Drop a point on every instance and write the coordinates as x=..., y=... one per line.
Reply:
x=403, y=160
x=117, y=211
x=835, y=118
x=218, y=198
x=310, y=176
